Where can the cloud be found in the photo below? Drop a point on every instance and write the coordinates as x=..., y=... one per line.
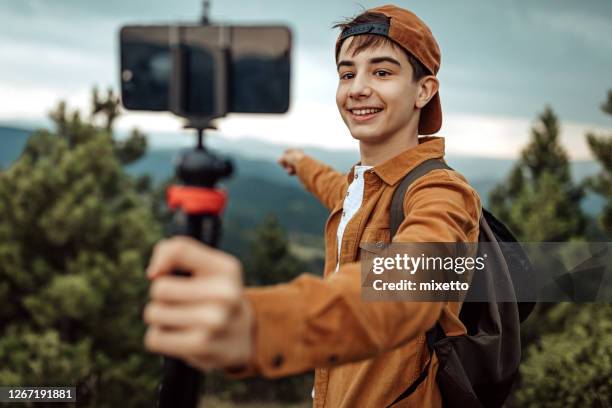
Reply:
x=505, y=137
x=591, y=29
x=306, y=124
x=61, y=60
x=20, y=103
x=32, y=65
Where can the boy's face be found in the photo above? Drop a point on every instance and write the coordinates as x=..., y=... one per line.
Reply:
x=378, y=78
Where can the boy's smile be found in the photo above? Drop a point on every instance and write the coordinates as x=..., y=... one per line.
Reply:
x=363, y=114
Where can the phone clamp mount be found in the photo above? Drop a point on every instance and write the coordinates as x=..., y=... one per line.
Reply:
x=198, y=204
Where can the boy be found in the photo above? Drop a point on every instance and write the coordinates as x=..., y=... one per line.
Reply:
x=363, y=353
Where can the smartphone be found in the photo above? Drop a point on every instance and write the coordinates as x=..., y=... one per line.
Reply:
x=198, y=70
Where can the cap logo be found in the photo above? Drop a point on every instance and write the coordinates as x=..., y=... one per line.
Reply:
x=371, y=28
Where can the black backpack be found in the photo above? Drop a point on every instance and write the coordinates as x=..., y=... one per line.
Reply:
x=479, y=368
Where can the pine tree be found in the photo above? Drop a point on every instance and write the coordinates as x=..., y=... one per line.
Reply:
x=539, y=200
x=270, y=261
x=544, y=153
x=568, y=349
x=74, y=240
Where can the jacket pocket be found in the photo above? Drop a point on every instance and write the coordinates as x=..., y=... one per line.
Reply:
x=374, y=241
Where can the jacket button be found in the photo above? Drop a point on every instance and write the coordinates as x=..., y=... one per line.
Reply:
x=277, y=361
x=356, y=176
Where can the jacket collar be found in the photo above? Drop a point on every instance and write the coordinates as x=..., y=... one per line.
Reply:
x=394, y=169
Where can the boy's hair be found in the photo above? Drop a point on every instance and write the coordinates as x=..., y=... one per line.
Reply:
x=365, y=41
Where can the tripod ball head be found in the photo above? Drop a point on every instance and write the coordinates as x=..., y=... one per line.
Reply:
x=200, y=167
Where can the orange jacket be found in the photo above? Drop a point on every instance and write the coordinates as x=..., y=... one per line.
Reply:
x=364, y=354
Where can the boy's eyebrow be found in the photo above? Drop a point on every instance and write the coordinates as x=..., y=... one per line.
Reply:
x=345, y=63
x=375, y=60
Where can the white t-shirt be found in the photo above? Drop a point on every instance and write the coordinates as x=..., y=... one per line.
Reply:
x=352, y=203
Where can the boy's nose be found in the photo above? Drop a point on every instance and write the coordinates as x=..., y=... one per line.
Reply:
x=360, y=87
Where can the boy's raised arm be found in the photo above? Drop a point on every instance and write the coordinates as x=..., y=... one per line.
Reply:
x=325, y=183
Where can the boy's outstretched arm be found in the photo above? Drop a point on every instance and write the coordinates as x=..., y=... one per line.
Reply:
x=325, y=183
x=210, y=322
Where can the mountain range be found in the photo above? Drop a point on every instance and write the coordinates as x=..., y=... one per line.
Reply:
x=259, y=186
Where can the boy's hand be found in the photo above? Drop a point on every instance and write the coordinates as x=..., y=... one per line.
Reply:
x=289, y=160
x=202, y=319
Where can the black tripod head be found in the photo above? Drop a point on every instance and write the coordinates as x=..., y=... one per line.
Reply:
x=200, y=167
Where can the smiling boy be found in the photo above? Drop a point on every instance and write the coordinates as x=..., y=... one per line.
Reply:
x=364, y=353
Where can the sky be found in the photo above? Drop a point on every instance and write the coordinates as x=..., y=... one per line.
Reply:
x=502, y=63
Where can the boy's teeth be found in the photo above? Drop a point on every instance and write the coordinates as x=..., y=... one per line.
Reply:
x=365, y=111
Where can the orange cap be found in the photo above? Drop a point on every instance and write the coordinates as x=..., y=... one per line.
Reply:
x=411, y=33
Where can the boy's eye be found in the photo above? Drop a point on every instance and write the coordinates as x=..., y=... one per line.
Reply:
x=346, y=75
x=382, y=73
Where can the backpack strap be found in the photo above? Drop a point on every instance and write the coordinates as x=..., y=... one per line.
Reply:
x=397, y=217
x=397, y=202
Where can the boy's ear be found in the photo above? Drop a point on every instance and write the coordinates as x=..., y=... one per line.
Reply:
x=427, y=88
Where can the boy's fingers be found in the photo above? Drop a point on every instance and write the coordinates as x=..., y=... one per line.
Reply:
x=197, y=348
x=287, y=165
x=177, y=289
x=187, y=254
x=211, y=317
x=175, y=343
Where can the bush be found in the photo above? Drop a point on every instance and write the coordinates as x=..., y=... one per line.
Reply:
x=75, y=236
x=571, y=367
